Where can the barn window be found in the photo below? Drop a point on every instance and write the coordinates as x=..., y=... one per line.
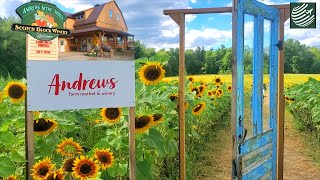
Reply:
x=110, y=13
x=120, y=41
x=80, y=16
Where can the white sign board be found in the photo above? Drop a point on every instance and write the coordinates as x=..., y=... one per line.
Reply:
x=42, y=50
x=62, y=85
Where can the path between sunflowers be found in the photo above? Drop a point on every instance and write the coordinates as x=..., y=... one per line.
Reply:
x=216, y=159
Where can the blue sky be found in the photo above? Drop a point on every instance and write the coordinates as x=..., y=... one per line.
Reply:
x=145, y=19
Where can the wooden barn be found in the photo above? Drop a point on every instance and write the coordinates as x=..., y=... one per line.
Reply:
x=101, y=24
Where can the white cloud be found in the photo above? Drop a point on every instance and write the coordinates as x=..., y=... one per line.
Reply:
x=193, y=1
x=190, y=17
x=207, y=37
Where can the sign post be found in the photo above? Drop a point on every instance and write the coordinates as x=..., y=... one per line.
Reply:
x=89, y=85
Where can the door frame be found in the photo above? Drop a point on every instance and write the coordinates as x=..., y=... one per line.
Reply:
x=178, y=15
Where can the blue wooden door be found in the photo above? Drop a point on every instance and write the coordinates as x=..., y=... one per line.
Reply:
x=255, y=157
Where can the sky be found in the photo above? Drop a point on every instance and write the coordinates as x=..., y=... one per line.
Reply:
x=145, y=20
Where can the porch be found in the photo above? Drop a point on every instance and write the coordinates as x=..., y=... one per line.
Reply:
x=127, y=55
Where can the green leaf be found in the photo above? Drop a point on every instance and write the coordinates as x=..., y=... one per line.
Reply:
x=6, y=166
x=156, y=141
x=16, y=157
x=143, y=170
x=7, y=138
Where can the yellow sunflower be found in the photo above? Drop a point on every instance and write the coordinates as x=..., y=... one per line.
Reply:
x=12, y=177
x=151, y=73
x=42, y=169
x=85, y=168
x=229, y=88
x=197, y=110
x=202, y=89
x=209, y=93
x=105, y=158
x=157, y=118
x=143, y=123
x=196, y=89
x=68, y=165
x=56, y=175
x=173, y=97
x=191, y=79
x=44, y=126
x=220, y=92
x=36, y=114
x=190, y=86
x=217, y=81
x=111, y=115
x=16, y=91
x=69, y=148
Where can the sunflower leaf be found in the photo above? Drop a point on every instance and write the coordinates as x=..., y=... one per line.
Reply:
x=6, y=166
x=7, y=138
x=16, y=157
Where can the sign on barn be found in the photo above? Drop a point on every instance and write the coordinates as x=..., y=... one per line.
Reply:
x=63, y=85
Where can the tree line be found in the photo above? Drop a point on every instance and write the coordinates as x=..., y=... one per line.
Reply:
x=299, y=58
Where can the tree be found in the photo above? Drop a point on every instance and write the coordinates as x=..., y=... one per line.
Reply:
x=140, y=50
x=12, y=49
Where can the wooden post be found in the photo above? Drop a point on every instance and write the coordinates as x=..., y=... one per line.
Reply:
x=281, y=109
x=132, y=144
x=29, y=133
x=234, y=92
x=182, y=130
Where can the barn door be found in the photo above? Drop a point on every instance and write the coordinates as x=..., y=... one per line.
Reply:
x=255, y=154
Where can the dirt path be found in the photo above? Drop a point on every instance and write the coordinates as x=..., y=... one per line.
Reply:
x=217, y=155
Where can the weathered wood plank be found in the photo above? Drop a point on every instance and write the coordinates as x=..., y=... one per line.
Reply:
x=274, y=89
x=255, y=142
x=182, y=130
x=257, y=123
x=132, y=144
x=255, y=8
x=259, y=171
x=281, y=108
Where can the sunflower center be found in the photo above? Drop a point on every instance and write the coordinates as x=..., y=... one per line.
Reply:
x=42, y=125
x=15, y=91
x=51, y=177
x=196, y=90
x=69, y=165
x=157, y=117
x=152, y=73
x=85, y=168
x=218, y=80
x=112, y=113
x=142, y=121
x=104, y=158
x=201, y=88
x=173, y=97
x=43, y=171
x=197, y=108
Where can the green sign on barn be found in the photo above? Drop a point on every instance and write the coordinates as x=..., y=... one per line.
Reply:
x=42, y=20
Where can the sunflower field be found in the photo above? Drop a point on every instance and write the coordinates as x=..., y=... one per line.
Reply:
x=93, y=144
x=303, y=101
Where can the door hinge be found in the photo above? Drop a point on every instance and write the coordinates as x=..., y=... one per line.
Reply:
x=280, y=45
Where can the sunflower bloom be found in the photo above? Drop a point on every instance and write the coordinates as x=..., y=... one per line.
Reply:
x=85, y=168
x=151, y=73
x=191, y=79
x=202, y=89
x=68, y=164
x=173, y=97
x=229, y=88
x=217, y=81
x=157, y=118
x=198, y=109
x=42, y=169
x=12, y=177
x=44, y=126
x=69, y=148
x=143, y=123
x=56, y=175
x=105, y=158
x=16, y=91
x=111, y=115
